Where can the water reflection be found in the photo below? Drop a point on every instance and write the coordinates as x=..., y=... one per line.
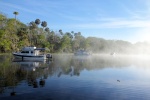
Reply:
x=35, y=72
x=73, y=65
x=13, y=72
x=68, y=74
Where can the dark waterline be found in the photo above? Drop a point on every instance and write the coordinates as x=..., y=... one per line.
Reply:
x=69, y=77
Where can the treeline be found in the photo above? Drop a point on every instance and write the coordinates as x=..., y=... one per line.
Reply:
x=14, y=35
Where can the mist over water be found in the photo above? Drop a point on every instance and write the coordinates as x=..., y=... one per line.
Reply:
x=67, y=77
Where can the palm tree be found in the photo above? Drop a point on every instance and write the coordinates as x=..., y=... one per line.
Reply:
x=60, y=31
x=37, y=22
x=32, y=27
x=44, y=24
x=47, y=29
x=15, y=13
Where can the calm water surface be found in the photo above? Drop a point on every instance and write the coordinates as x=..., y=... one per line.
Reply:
x=68, y=77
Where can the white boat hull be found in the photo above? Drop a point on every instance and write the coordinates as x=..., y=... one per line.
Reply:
x=29, y=57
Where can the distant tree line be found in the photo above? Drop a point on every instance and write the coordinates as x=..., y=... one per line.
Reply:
x=14, y=35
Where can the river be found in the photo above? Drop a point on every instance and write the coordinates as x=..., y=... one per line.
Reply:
x=69, y=77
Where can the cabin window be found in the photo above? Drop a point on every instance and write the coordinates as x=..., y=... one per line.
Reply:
x=31, y=51
x=25, y=52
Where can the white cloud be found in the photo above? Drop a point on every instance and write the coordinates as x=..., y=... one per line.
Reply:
x=116, y=24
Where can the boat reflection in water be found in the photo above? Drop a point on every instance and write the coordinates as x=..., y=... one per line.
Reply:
x=29, y=65
x=35, y=72
x=22, y=73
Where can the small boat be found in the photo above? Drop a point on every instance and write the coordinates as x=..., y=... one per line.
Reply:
x=30, y=53
x=82, y=53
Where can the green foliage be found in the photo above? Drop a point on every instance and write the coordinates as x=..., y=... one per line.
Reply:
x=15, y=34
x=66, y=44
x=5, y=45
x=2, y=32
x=32, y=25
x=3, y=21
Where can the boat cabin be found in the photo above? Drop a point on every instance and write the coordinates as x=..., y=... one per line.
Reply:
x=31, y=50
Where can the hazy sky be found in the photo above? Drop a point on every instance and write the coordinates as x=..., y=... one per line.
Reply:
x=110, y=19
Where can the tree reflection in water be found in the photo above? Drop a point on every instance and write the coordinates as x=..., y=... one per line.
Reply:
x=13, y=72
x=36, y=73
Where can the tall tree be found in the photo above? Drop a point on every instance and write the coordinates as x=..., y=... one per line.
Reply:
x=44, y=24
x=32, y=35
x=60, y=31
x=47, y=29
x=37, y=22
x=15, y=13
x=32, y=25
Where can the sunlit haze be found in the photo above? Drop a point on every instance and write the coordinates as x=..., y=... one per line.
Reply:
x=127, y=20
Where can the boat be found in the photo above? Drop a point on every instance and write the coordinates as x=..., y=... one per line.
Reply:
x=30, y=53
x=82, y=53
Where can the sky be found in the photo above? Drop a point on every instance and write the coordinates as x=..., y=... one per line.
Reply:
x=127, y=20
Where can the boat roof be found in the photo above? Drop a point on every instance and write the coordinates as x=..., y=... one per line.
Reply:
x=32, y=48
x=42, y=49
